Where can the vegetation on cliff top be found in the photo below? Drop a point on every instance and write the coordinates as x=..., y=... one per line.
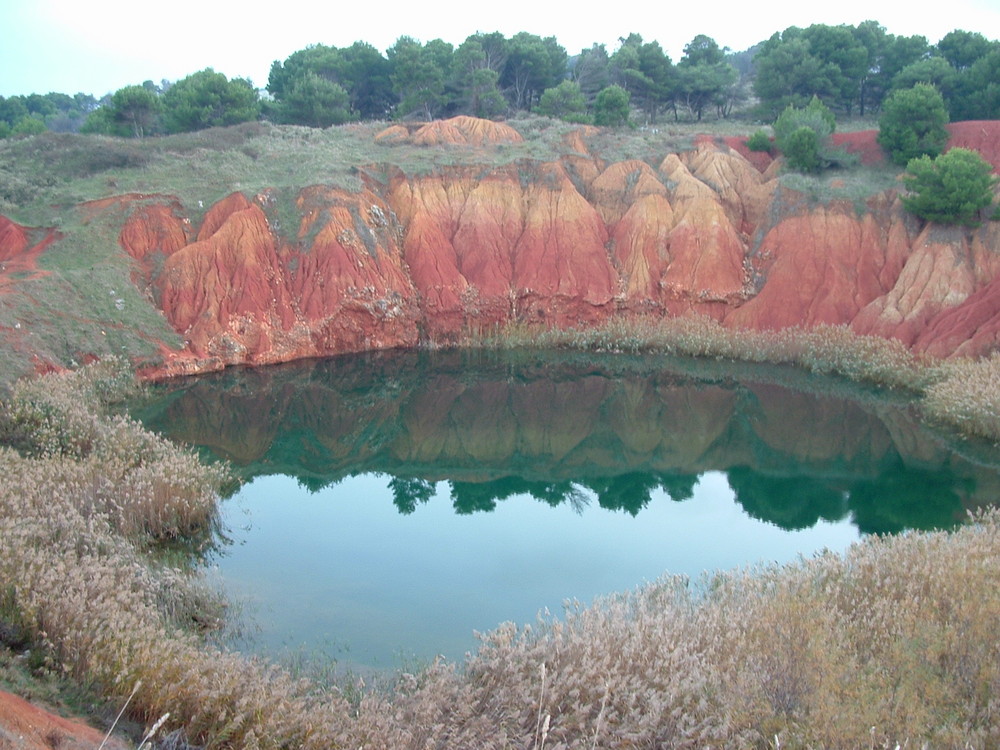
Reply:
x=953, y=188
x=851, y=68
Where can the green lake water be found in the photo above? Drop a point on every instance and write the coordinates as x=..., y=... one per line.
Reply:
x=394, y=503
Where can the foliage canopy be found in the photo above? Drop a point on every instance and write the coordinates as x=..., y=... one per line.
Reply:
x=208, y=99
x=950, y=189
x=912, y=123
x=803, y=136
x=611, y=106
x=850, y=68
x=565, y=101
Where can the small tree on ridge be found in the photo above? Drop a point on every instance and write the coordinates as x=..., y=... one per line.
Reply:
x=951, y=189
x=912, y=123
x=611, y=106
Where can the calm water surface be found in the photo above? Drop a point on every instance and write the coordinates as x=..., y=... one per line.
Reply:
x=395, y=503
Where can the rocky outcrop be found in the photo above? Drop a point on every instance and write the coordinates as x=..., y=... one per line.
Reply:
x=980, y=135
x=242, y=292
x=20, y=248
x=823, y=267
x=516, y=242
x=461, y=130
x=282, y=275
x=26, y=726
x=13, y=239
x=942, y=270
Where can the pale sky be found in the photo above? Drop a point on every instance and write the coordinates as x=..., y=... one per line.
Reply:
x=99, y=46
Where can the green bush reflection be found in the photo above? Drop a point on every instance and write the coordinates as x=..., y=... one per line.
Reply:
x=568, y=428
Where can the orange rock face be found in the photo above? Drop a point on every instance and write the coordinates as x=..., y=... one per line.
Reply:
x=564, y=243
x=13, y=239
x=241, y=293
x=507, y=244
x=20, y=248
x=823, y=267
x=153, y=232
x=461, y=130
x=980, y=135
x=27, y=727
x=863, y=144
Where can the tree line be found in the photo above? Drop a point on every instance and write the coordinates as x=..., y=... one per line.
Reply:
x=851, y=69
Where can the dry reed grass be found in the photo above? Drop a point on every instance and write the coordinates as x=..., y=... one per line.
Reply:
x=967, y=397
x=962, y=395
x=892, y=642
x=823, y=349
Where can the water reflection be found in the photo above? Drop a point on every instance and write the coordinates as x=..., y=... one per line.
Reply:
x=343, y=571
x=396, y=502
x=565, y=428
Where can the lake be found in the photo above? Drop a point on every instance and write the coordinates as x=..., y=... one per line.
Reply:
x=393, y=503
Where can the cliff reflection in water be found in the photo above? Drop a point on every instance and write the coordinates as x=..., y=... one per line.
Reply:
x=566, y=427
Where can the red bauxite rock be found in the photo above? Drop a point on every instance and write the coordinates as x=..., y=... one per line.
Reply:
x=13, y=239
x=27, y=727
x=823, y=267
x=564, y=243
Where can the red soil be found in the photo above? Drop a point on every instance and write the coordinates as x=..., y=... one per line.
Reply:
x=565, y=243
x=27, y=727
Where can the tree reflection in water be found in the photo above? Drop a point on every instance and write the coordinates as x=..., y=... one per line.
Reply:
x=569, y=428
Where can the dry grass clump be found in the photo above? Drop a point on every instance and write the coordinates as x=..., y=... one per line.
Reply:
x=889, y=643
x=80, y=509
x=824, y=349
x=141, y=482
x=105, y=615
x=967, y=396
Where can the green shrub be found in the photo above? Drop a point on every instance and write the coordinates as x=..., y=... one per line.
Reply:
x=208, y=99
x=760, y=141
x=912, y=123
x=565, y=101
x=950, y=189
x=611, y=107
x=807, y=151
x=28, y=126
x=801, y=149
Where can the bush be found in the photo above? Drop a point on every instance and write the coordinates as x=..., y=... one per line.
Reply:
x=801, y=149
x=208, y=99
x=912, y=124
x=760, y=141
x=807, y=151
x=564, y=101
x=28, y=126
x=611, y=107
x=950, y=189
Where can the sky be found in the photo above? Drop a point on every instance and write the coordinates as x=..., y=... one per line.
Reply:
x=99, y=46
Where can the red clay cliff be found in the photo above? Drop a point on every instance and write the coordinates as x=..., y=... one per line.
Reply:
x=426, y=258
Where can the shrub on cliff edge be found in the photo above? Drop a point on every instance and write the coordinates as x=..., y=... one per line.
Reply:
x=760, y=141
x=950, y=189
x=803, y=136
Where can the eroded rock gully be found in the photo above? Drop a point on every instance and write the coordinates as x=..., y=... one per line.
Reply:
x=570, y=242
